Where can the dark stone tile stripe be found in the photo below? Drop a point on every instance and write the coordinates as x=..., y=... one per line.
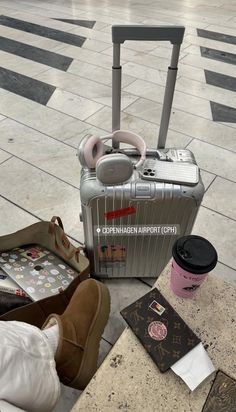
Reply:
x=84, y=23
x=219, y=55
x=221, y=113
x=32, y=89
x=220, y=80
x=213, y=35
x=43, y=31
x=36, y=54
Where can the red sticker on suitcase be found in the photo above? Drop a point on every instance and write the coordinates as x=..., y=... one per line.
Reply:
x=120, y=213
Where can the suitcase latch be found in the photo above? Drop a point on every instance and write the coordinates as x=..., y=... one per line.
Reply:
x=142, y=191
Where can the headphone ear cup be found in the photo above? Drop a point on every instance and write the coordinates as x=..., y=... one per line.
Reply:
x=114, y=169
x=80, y=151
x=90, y=150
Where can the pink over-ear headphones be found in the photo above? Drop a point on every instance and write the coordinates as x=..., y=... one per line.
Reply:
x=113, y=168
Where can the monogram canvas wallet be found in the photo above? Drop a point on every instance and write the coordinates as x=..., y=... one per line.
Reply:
x=160, y=329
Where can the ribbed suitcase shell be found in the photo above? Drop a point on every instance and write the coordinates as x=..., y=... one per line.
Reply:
x=153, y=202
x=143, y=255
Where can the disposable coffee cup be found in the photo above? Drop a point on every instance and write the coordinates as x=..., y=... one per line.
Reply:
x=193, y=258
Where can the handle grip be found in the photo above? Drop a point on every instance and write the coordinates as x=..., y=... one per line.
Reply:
x=121, y=33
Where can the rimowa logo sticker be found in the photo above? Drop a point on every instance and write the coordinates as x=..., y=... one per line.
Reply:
x=120, y=213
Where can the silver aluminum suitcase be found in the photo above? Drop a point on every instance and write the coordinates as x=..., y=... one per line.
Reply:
x=130, y=228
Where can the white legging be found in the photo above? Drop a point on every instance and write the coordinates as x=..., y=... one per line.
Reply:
x=28, y=377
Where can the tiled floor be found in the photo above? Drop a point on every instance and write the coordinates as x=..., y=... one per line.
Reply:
x=55, y=87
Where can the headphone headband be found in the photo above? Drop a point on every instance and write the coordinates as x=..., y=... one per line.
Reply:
x=125, y=136
x=91, y=148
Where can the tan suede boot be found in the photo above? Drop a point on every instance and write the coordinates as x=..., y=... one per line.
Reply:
x=80, y=331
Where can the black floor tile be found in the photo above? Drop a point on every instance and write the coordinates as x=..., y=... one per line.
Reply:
x=36, y=54
x=43, y=31
x=221, y=113
x=219, y=55
x=84, y=23
x=220, y=80
x=25, y=86
x=216, y=36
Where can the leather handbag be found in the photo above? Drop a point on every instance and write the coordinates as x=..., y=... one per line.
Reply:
x=50, y=235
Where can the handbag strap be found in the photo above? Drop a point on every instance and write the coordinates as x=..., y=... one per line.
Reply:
x=54, y=220
x=75, y=252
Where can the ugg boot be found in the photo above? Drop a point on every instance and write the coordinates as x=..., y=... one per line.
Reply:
x=80, y=331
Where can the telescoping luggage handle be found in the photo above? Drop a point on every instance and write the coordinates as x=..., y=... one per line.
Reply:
x=121, y=33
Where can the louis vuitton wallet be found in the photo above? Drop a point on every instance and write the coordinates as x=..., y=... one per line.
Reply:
x=160, y=329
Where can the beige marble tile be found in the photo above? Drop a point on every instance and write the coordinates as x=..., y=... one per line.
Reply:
x=97, y=46
x=145, y=73
x=220, y=231
x=159, y=76
x=3, y=155
x=21, y=65
x=222, y=29
x=175, y=139
x=229, y=6
x=166, y=19
x=74, y=141
x=93, y=72
x=204, y=63
x=112, y=15
x=72, y=104
x=7, y=8
x=146, y=129
x=221, y=197
x=214, y=159
x=102, y=14
x=226, y=273
x=206, y=91
x=90, y=71
x=83, y=87
x=210, y=10
x=232, y=125
x=30, y=39
x=22, y=13
x=39, y=117
x=140, y=46
x=141, y=58
x=13, y=218
x=92, y=34
x=186, y=123
x=41, y=194
x=190, y=71
x=52, y=9
x=165, y=52
x=206, y=19
x=182, y=101
x=37, y=16
x=88, y=56
x=201, y=41
x=207, y=178
x=193, y=49
x=40, y=150
x=13, y=8
x=165, y=9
